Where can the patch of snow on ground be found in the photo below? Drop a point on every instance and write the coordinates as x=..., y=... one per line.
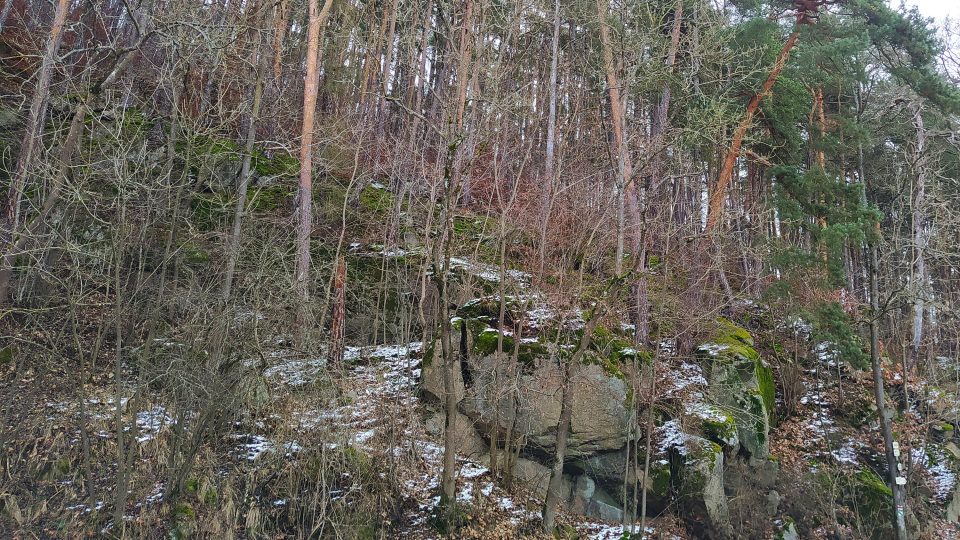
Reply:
x=151, y=422
x=296, y=372
x=942, y=480
x=488, y=272
x=846, y=454
x=603, y=531
x=827, y=353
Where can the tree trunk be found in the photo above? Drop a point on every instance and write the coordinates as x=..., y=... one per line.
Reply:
x=305, y=194
x=31, y=139
x=5, y=13
x=920, y=277
x=563, y=428
x=283, y=14
x=624, y=190
x=730, y=160
x=549, y=164
x=893, y=467
x=336, y=348
x=233, y=241
x=549, y=174
x=566, y=413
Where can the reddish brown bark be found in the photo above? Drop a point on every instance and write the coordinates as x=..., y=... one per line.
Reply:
x=305, y=194
x=335, y=351
x=283, y=14
x=718, y=195
x=34, y=128
x=627, y=201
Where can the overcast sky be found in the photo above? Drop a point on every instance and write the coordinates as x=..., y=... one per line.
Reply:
x=934, y=8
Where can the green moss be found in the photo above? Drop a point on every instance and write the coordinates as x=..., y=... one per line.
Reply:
x=487, y=306
x=270, y=198
x=192, y=485
x=210, y=210
x=485, y=342
x=63, y=466
x=530, y=351
x=610, y=366
x=872, y=499
x=209, y=495
x=194, y=253
x=729, y=332
x=758, y=412
x=729, y=343
x=472, y=227
x=184, y=511
x=328, y=200
x=719, y=426
x=281, y=164
x=766, y=388
x=429, y=353
x=660, y=479
x=376, y=199
x=6, y=355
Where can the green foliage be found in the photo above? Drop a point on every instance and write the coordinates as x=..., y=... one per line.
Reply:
x=6, y=355
x=830, y=210
x=909, y=50
x=833, y=325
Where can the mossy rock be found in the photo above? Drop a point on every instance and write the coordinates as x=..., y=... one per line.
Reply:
x=766, y=387
x=697, y=476
x=660, y=479
x=489, y=306
x=617, y=346
x=485, y=342
x=872, y=499
x=742, y=384
x=729, y=342
x=716, y=424
x=610, y=365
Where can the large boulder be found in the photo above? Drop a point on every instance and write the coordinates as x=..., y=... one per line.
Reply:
x=469, y=443
x=741, y=384
x=536, y=477
x=491, y=388
x=696, y=474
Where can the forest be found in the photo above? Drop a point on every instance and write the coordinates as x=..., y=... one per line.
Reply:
x=545, y=269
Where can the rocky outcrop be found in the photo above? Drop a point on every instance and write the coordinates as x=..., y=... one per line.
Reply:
x=513, y=381
x=741, y=384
